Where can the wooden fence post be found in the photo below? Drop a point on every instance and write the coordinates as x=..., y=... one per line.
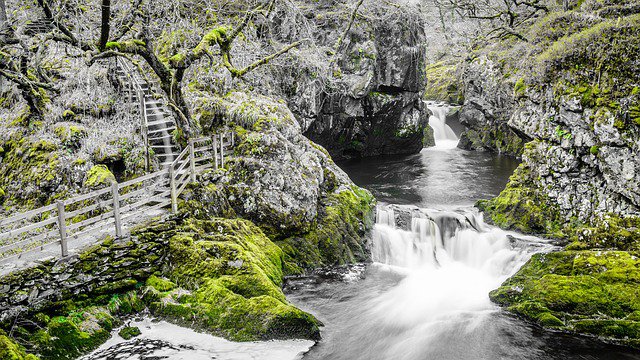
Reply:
x=214, y=140
x=172, y=184
x=222, y=150
x=62, y=226
x=192, y=161
x=116, y=208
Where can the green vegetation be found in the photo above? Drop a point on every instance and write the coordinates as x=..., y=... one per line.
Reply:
x=129, y=332
x=99, y=176
x=229, y=274
x=337, y=238
x=444, y=83
x=594, y=292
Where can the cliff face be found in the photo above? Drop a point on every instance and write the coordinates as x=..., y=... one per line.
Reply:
x=373, y=104
x=570, y=94
x=578, y=113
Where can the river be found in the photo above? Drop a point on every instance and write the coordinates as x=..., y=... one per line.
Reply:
x=425, y=296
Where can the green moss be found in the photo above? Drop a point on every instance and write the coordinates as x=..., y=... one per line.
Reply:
x=519, y=88
x=594, y=150
x=68, y=115
x=444, y=83
x=337, y=238
x=9, y=350
x=520, y=207
x=129, y=332
x=99, y=176
x=32, y=165
x=160, y=284
x=597, y=292
x=67, y=337
x=125, y=46
x=230, y=276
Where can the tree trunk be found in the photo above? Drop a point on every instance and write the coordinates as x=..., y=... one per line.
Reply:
x=105, y=28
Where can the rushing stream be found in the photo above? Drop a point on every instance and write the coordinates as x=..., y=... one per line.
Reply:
x=434, y=262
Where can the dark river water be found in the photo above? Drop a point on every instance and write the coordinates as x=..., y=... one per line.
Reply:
x=409, y=306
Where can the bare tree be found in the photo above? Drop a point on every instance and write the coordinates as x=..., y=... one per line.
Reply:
x=504, y=16
x=216, y=43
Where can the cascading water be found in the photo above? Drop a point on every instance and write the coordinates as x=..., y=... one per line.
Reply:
x=444, y=136
x=450, y=263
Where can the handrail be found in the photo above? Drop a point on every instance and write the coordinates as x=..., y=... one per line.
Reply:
x=78, y=215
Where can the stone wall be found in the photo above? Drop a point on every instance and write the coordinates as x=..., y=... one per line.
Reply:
x=110, y=267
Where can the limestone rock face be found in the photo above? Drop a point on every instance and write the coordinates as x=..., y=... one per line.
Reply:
x=375, y=105
x=486, y=111
x=583, y=160
x=286, y=184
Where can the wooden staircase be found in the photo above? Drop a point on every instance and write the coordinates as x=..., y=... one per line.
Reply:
x=157, y=123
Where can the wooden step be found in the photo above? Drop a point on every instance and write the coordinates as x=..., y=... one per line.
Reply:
x=167, y=129
x=159, y=122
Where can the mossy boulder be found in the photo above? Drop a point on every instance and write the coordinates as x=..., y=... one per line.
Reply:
x=30, y=172
x=229, y=278
x=67, y=337
x=99, y=176
x=129, y=332
x=591, y=292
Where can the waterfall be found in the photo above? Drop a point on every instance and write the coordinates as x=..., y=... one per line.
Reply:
x=438, y=238
x=444, y=136
x=449, y=261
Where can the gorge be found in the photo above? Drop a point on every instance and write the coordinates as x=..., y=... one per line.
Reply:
x=319, y=180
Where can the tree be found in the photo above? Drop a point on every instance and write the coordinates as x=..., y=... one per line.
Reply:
x=504, y=16
x=19, y=66
x=171, y=71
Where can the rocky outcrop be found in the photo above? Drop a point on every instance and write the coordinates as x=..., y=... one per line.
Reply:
x=488, y=105
x=287, y=185
x=374, y=104
x=577, y=111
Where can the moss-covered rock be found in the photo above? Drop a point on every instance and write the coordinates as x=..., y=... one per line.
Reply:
x=30, y=172
x=229, y=276
x=521, y=207
x=593, y=292
x=99, y=176
x=337, y=239
x=444, y=83
x=67, y=337
x=9, y=350
x=129, y=332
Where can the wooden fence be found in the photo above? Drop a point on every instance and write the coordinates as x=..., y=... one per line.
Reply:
x=77, y=217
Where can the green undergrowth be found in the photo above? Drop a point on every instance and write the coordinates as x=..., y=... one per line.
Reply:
x=593, y=292
x=444, y=83
x=337, y=238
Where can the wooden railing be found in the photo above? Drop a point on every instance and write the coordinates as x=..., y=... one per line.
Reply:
x=74, y=218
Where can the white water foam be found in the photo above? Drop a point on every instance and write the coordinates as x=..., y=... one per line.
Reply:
x=162, y=340
x=451, y=262
x=444, y=136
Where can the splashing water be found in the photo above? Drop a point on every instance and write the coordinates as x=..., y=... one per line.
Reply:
x=450, y=263
x=444, y=136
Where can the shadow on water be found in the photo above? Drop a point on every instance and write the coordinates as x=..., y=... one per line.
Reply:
x=433, y=178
